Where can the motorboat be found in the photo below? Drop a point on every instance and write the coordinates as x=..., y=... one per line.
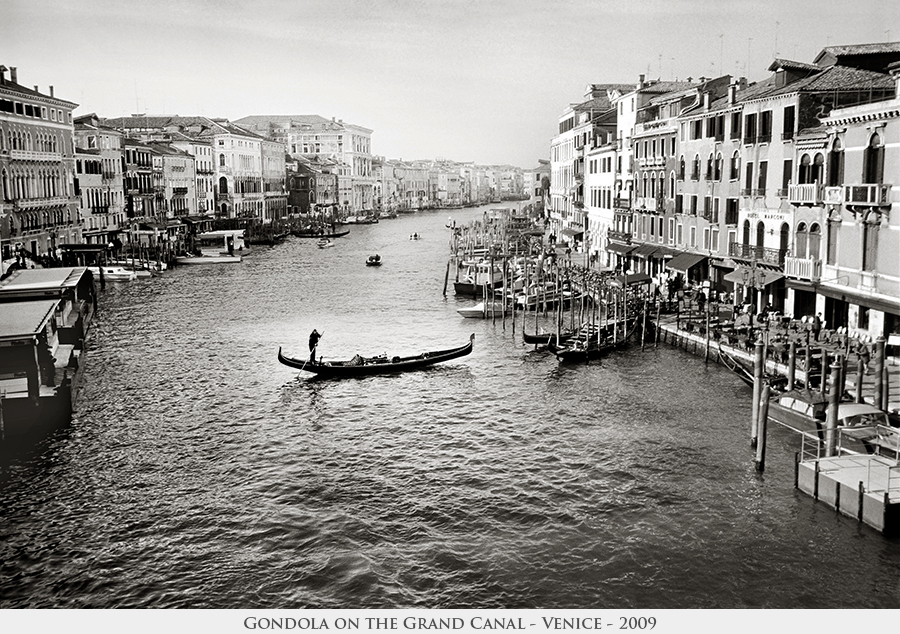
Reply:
x=373, y=260
x=113, y=273
x=324, y=243
x=224, y=246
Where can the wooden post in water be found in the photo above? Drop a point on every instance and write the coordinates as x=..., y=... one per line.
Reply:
x=831, y=414
x=644, y=325
x=706, y=354
x=879, y=373
x=447, y=276
x=823, y=388
x=656, y=327
x=860, y=375
x=757, y=390
x=842, y=378
x=792, y=365
x=763, y=424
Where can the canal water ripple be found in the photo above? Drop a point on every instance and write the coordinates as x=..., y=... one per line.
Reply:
x=198, y=472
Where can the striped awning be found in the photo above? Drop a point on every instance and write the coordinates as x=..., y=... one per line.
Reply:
x=683, y=262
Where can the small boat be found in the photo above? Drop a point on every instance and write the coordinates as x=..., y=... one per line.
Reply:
x=744, y=371
x=113, y=273
x=363, y=366
x=806, y=411
x=320, y=234
x=224, y=246
x=324, y=243
x=414, y=236
x=373, y=260
x=593, y=343
x=483, y=309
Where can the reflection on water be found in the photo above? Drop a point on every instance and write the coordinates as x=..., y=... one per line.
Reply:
x=199, y=472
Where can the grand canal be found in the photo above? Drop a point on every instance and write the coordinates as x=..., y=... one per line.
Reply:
x=198, y=472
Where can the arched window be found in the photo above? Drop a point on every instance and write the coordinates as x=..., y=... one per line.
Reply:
x=836, y=164
x=221, y=160
x=223, y=185
x=735, y=166
x=870, y=240
x=681, y=168
x=873, y=162
x=804, y=171
x=801, y=243
x=746, y=233
x=784, y=242
x=717, y=171
x=815, y=241
x=672, y=185
x=709, y=167
x=695, y=168
x=760, y=233
x=818, y=168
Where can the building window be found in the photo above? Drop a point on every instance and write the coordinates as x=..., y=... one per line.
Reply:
x=788, y=129
x=801, y=241
x=836, y=164
x=873, y=161
x=833, y=229
x=870, y=241
x=735, y=166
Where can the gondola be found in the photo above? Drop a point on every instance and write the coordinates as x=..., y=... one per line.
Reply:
x=317, y=234
x=362, y=366
x=744, y=371
x=587, y=347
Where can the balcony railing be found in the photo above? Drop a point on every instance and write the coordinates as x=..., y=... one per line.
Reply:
x=760, y=254
x=37, y=203
x=834, y=195
x=803, y=268
x=809, y=194
x=621, y=236
x=621, y=203
x=873, y=195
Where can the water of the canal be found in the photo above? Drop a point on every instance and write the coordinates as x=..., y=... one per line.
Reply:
x=199, y=472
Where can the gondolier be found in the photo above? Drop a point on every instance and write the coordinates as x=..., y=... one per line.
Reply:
x=314, y=337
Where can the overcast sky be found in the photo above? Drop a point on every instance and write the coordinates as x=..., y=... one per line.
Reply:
x=467, y=80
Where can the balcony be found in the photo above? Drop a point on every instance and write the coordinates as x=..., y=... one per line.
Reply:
x=803, y=268
x=809, y=194
x=179, y=191
x=760, y=254
x=27, y=155
x=37, y=203
x=834, y=195
x=620, y=236
x=869, y=195
x=621, y=203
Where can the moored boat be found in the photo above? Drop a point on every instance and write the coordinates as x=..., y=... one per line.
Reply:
x=113, y=273
x=373, y=260
x=483, y=309
x=224, y=246
x=363, y=366
x=324, y=243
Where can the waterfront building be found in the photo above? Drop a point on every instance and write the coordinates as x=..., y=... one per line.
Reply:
x=313, y=136
x=99, y=180
x=845, y=263
x=38, y=208
x=779, y=117
x=202, y=151
x=600, y=149
x=703, y=133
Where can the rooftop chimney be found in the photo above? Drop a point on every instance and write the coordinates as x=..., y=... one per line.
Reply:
x=51, y=91
x=13, y=77
x=732, y=89
x=3, y=70
x=640, y=81
x=706, y=100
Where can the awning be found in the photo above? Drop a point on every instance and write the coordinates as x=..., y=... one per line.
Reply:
x=737, y=275
x=683, y=262
x=632, y=279
x=644, y=250
x=572, y=233
x=853, y=296
x=620, y=248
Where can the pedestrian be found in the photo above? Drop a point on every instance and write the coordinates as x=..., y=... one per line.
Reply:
x=817, y=326
x=701, y=299
x=863, y=354
x=314, y=337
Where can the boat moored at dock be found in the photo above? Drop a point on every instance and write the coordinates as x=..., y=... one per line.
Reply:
x=224, y=246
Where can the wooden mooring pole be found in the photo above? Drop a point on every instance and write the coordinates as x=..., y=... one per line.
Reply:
x=763, y=423
x=757, y=390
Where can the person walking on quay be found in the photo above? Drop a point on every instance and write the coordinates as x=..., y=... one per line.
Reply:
x=701, y=299
x=862, y=353
x=817, y=326
x=314, y=337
